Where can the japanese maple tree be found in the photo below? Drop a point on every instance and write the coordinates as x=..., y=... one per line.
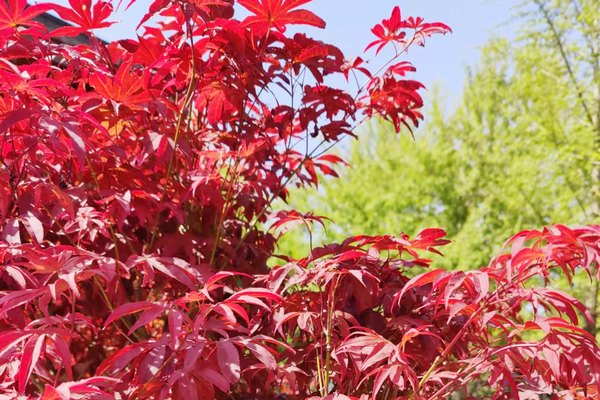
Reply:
x=136, y=219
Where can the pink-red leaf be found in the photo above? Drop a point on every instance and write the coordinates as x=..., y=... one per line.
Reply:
x=31, y=354
x=127, y=309
x=419, y=281
x=279, y=14
x=229, y=361
x=85, y=16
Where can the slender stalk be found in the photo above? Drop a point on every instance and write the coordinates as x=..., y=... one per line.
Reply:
x=328, y=335
x=230, y=187
x=320, y=377
x=449, y=347
x=187, y=101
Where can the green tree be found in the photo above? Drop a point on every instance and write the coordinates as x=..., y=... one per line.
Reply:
x=519, y=151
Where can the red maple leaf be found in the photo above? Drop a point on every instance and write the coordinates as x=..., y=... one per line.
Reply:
x=126, y=87
x=84, y=16
x=16, y=12
x=279, y=13
x=393, y=30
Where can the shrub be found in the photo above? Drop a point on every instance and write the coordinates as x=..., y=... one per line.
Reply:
x=137, y=182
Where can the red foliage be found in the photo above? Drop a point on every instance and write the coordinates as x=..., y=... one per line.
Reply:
x=137, y=181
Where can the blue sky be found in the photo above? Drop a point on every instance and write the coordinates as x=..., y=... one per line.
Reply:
x=442, y=61
x=444, y=58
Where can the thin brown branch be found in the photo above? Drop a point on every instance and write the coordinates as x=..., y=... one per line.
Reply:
x=561, y=48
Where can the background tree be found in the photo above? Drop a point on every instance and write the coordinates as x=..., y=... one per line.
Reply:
x=519, y=151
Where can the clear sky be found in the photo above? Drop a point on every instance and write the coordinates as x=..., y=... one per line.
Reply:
x=442, y=61
x=444, y=58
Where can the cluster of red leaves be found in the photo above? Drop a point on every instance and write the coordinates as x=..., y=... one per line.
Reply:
x=136, y=182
